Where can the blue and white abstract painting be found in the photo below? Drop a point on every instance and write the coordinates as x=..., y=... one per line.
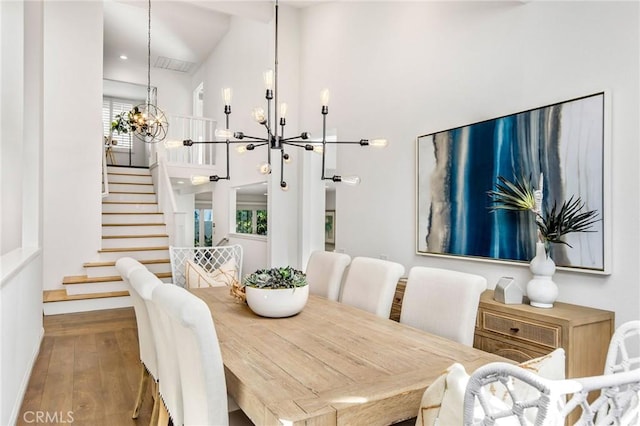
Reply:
x=457, y=168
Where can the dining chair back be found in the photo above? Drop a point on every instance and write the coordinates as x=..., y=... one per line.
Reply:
x=146, y=343
x=371, y=284
x=209, y=259
x=549, y=401
x=442, y=302
x=624, y=348
x=325, y=271
x=202, y=379
x=145, y=283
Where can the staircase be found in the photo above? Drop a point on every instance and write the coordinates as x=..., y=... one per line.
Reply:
x=131, y=226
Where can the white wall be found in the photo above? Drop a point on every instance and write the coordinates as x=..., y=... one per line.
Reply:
x=404, y=69
x=21, y=257
x=72, y=137
x=11, y=129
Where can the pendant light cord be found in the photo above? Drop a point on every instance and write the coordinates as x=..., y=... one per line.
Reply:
x=275, y=74
x=149, y=58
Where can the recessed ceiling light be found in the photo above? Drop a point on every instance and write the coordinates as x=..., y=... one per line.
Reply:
x=123, y=57
x=180, y=182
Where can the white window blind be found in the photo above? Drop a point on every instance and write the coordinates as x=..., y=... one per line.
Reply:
x=110, y=108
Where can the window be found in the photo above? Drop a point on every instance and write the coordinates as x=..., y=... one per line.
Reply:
x=203, y=228
x=251, y=222
x=110, y=108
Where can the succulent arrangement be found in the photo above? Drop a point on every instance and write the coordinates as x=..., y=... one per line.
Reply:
x=274, y=278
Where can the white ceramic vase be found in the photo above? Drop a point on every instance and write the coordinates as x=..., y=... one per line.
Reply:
x=541, y=289
x=277, y=303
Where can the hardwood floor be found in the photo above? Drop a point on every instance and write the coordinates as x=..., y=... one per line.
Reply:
x=87, y=372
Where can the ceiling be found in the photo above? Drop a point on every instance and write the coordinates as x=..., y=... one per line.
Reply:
x=183, y=32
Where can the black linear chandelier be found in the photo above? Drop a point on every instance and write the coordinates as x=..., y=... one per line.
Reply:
x=275, y=139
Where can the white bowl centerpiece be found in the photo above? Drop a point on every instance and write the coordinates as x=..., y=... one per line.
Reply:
x=276, y=292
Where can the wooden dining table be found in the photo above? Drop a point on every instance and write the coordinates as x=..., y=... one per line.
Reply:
x=331, y=364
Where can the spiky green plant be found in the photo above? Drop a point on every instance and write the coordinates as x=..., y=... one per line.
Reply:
x=282, y=277
x=552, y=224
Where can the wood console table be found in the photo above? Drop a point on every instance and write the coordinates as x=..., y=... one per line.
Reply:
x=521, y=332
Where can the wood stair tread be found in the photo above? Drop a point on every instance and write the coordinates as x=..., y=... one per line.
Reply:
x=144, y=262
x=119, y=249
x=129, y=202
x=134, y=224
x=111, y=237
x=128, y=174
x=83, y=279
x=130, y=183
x=131, y=192
x=131, y=213
x=61, y=295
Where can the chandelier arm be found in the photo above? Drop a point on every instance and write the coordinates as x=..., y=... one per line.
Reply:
x=283, y=184
x=325, y=111
x=264, y=142
x=251, y=139
x=293, y=138
x=349, y=142
x=202, y=142
x=297, y=144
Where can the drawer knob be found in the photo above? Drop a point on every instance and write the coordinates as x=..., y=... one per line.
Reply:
x=514, y=329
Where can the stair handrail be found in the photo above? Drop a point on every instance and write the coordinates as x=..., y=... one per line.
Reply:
x=222, y=242
x=174, y=219
x=105, y=179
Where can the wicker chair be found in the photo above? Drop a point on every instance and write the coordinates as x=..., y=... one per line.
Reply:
x=620, y=357
x=208, y=258
x=554, y=400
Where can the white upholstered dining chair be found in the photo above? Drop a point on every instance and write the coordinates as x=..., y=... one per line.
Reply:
x=145, y=283
x=325, y=270
x=146, y=343
x=371, y=284
x=201, y=371
x=442, y=302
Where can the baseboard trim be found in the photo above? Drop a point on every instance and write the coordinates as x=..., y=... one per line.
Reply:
x=15, y=412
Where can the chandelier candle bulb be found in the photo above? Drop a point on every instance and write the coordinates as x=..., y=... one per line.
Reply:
x=258, y=115
x=378, y=143
x=173, y=144
x=241, y=149
x=199, y=180
x=268, y=79
x=350, y=180
x=223, y=133
x=226, y=96
x=264, y=168
x=324, y=97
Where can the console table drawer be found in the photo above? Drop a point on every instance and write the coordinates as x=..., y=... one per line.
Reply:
x=517, y=328
x=506, y=348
